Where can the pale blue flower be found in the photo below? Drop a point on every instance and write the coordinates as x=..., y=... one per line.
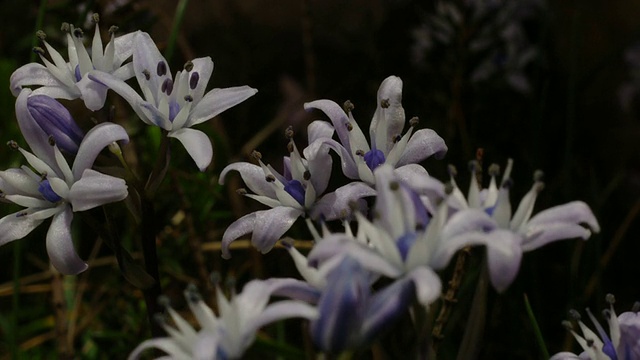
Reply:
x=62, y=79
x=229, y=334
x=51, y=188
x=175, y=104
x=388, y=145
x=290, y=195
x=622, y=342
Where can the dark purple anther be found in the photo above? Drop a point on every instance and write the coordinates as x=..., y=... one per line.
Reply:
x=296, y=190
x=193, y=81
x=77, y=73
x=374, y=158
x=162, y=68
x=47, y=192
x=167, y=86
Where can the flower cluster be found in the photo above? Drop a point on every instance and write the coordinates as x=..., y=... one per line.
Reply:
x=399, y=227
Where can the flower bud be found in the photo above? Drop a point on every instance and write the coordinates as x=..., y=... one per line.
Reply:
x=56, y=121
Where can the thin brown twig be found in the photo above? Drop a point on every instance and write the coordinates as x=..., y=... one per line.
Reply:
x=60, y=314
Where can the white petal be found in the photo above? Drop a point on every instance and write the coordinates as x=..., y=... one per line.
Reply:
x=96, y=189
x=423, y=144
x=60, y=247
x=13, y=227
x=96, y=139
x=32, y=74
x=94, y=94
x=204, y=67
x=253, y=176
x=197, y=145
x=218, y=100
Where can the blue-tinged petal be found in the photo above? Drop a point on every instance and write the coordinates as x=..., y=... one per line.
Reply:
x=542, y=234
x=96, y=189
x=240, y=227
x=218, y=100
x=385, y=307
x=349, y=167
x=94, y=94
x=423, y=144
x=337, y=116
x=575, y=212
x=565, y=356
x=319, y=162
x=32, y=74
x=37, y=139
x=337, y=204
x=503, y=258
x=123, y=89
x=166, y=344
x=282, y=310
x=16, y=226
x=319, y=129
x=418, y=179
x=446, y=248
x=123, y=48
x=388, y=121
x=293, y=289
x=146, y=60
x=204, y=68
x=58, y=92
x=427, y=283
x=207, y=346
x=467, y=220
x=60, y=247
x=99, y=137
x=197, y=145
x=271, y=224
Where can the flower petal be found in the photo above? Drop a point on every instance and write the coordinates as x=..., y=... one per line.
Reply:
x=60, y=247
x=218, y=100
x=99, y=137
x=204, y=67
x=575, y=212
x=238, y=228
x=197, y=145
x=166, y=344
x=282, y=310
x=423, y=144
x=337, y=204
x=387, y=121
x=503, y=265
x=385, y=307
x=94, y=94
x=146, y=58
x=123, y=89
x=32, y=74
x=96, y=189
x=337, y=116
x=16, y=226
x=427, y=283
x=37, y=139
x=542, y=234
x=271, y=224
x=319, y=129
x=253, y=177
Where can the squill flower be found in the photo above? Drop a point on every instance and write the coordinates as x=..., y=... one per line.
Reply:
x=290, y=195
x=388, y=146
x=51, y=188
x=621, y=342
x=62, y=79
x=229, y=334
x=527, y=232
x=175, y=105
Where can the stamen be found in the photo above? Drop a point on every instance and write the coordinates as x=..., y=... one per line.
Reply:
x=22, y=213
x=147, y=74
x=287, y=242
x=610, y=299
x=494, y=170
x=167, y=86
x=473, y=166
x=359, y=152
x=289, y=132
x=507, y=183
x=41, y=35
x=192, y=294
x=590, y=342
x=188, y=66
x=241, y=191
x=256, y=155
x=451, y=169
x=214, y=277
x=159, y=318
x=538, y=175
x=164, y=301
x=397, y=138
x=52, y=141
x=78, y=33
x=64, y=27
x=567, y=324
x=161, y=70
x=270, y=178
x=38, y=50
x=414, y=121
x=349, y=126
x=306, y=175
x=113, y=29
x=95, y=18
x=394, y=185
x=574, y=315
x=448, y=188
x=193, y=80
x=188, y=98
x=348, y=106
x=636, y=307
x=290, y=147
x=384, y=103
x=13, y=145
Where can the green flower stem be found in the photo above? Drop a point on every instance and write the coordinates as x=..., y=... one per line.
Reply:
x=175, y=28
x=536, y=328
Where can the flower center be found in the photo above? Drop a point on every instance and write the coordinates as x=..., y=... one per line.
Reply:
x=295, y=189
x=404, y=244
x=47, y=192
x=374, y=158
